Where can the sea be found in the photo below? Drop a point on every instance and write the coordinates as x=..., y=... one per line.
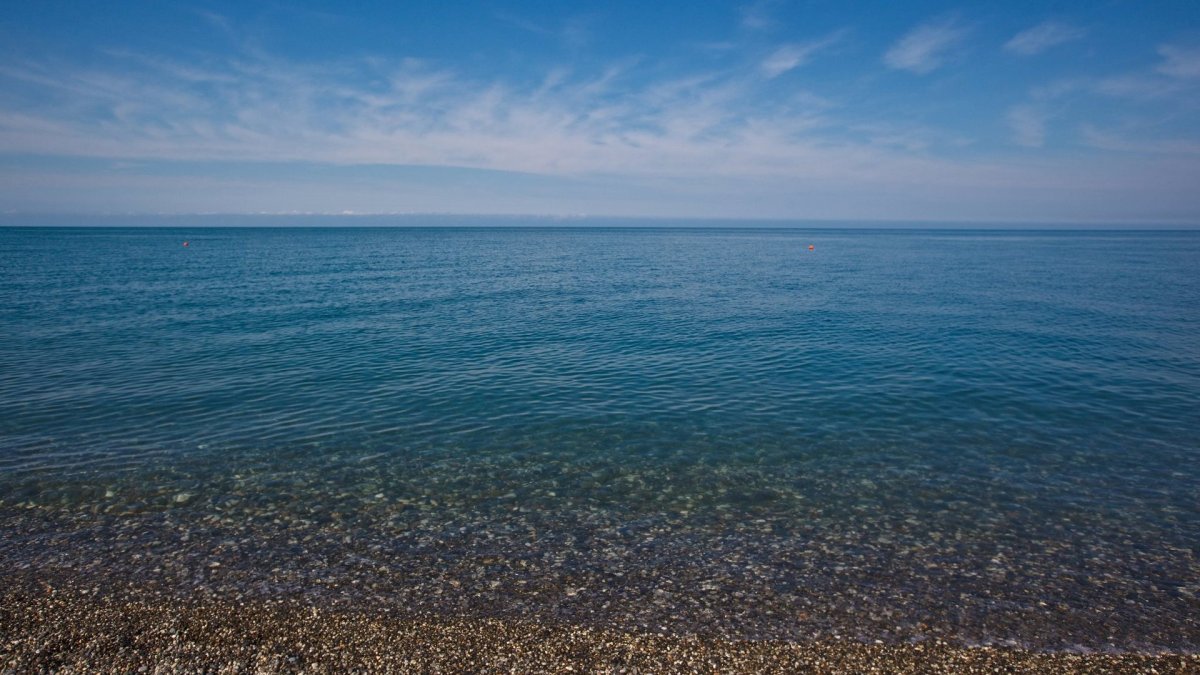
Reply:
x=985, y=436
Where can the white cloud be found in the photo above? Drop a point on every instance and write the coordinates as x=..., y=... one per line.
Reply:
x=924, y=48
x=407, y=112
x=1028, y=125
x=1109, y=140
x=789, y=57
x=722, y=141
x=919, y=140
x=574, y=33
x=757, y=16
x=1137, y=87
x=1180, y=62
x=1041, y=37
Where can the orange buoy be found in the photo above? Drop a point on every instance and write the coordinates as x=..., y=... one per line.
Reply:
x=810, y=247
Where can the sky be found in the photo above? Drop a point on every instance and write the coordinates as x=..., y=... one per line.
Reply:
x=988, y=112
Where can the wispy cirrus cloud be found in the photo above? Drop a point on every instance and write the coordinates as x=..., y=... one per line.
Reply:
x=923, y=49
x=400, y=112
x=1041, y=37
x=1176, y=78
x=1171, y=89
x=725, y=136
x=575, y=32
x=1180, y=62
x=1107, y=139
x=714, y=126
x=756, y=16
x=1028, y=125
x=792, y=56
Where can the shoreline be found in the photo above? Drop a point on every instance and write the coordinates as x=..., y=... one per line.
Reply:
x=647, y=580
x=64, y=626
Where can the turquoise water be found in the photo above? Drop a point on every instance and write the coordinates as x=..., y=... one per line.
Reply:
x=990, y=436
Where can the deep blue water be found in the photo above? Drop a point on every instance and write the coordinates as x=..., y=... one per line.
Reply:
x=988, y=435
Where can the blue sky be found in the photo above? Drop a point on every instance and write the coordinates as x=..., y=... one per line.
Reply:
x=1016, y=111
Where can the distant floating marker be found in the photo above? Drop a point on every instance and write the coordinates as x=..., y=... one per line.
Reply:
x=810, y=246
x=185, y=245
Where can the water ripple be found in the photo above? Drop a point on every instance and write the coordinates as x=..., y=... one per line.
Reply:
x=908, y=421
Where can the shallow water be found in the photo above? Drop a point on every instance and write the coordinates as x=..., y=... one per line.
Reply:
x=984, y=435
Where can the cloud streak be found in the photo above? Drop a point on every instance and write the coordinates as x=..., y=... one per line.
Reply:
x=1028, y=125
x=923, y=49
x=1109, y=140
x=1041, y=37
x=1180, y=62
x=730, y=131
x=757, y=15
x=792, y=56
x=410, y=112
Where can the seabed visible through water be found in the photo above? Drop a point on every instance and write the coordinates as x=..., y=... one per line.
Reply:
x=962, y=440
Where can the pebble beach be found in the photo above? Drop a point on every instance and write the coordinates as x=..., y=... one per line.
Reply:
x=512, y=450
x=46, y=627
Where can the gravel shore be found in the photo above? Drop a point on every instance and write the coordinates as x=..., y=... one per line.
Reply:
x=48, y=627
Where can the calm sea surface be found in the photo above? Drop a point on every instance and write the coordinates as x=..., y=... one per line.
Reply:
x=988, y=436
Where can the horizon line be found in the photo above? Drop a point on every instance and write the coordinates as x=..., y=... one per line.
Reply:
x=702, y=221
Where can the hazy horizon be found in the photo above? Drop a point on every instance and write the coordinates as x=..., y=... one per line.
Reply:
x=502, y=220
x=924, y=111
